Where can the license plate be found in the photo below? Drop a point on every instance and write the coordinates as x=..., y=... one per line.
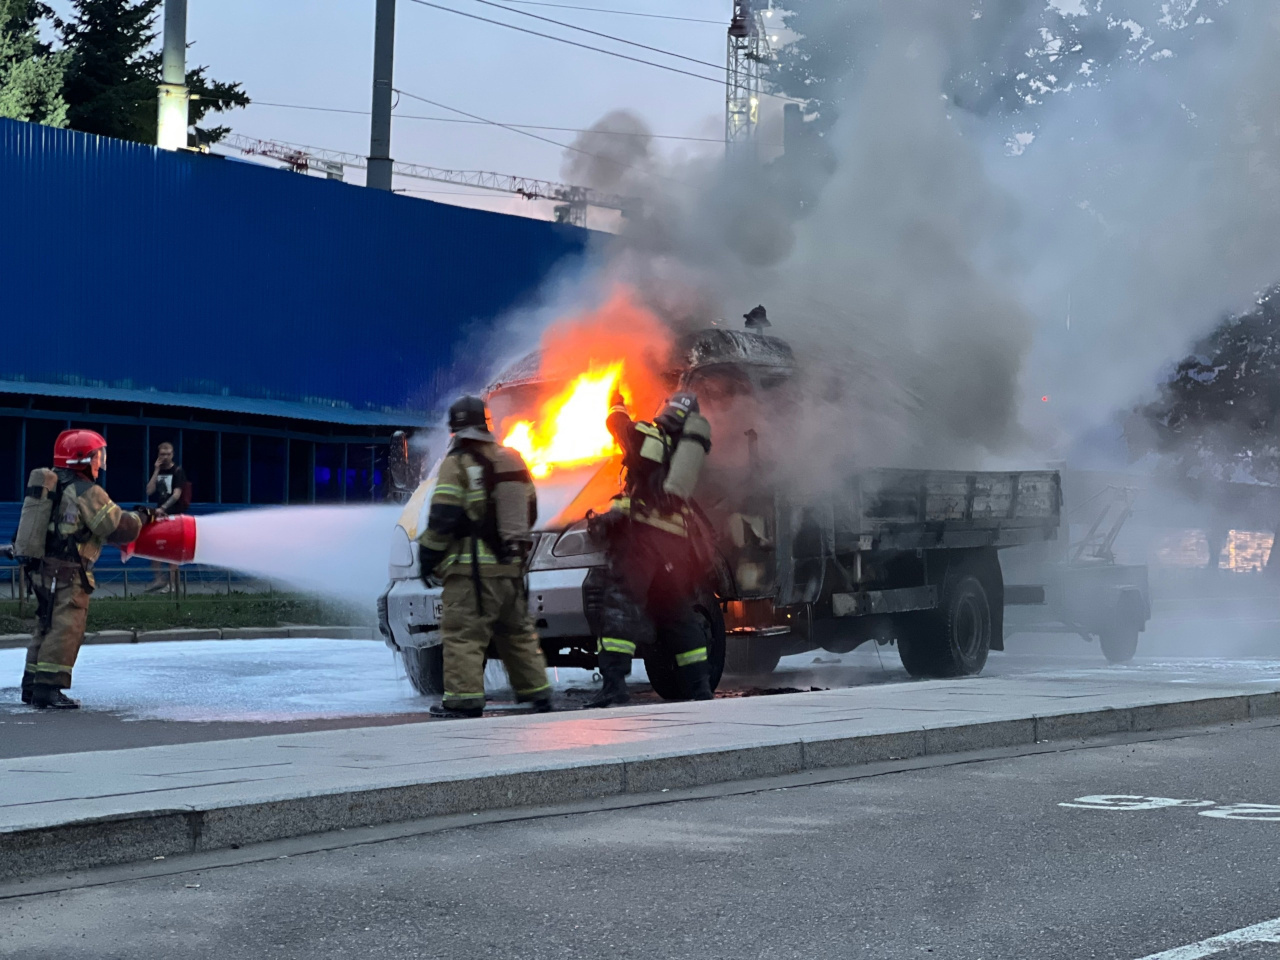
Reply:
x=437, y=610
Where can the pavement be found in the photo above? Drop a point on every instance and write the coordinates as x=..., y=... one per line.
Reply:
x=1156, y=850
x=20, y=641
x=93, y=808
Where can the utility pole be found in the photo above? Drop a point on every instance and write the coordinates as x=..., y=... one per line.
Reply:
x=384, y=50
x=174, y=118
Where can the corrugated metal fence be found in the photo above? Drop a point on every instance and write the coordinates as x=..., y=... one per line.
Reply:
x=134, y=267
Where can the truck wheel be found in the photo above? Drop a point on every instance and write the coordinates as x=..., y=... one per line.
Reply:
x=661, y=664
x=1119, y=639
x=954, y=640
x=753, y=656
x=425, y=669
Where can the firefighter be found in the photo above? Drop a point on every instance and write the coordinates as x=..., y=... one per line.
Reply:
x=66, y=519
x=653, y=572
x=477, y=538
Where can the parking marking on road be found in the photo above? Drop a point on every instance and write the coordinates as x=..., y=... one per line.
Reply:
x=1129, y=802
x=1267, y=932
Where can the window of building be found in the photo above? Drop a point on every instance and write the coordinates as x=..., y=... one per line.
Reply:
x=268, y=471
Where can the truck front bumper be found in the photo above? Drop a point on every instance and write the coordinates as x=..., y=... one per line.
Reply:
x=409, y=613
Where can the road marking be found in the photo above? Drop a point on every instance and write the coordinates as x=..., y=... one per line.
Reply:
x=1268, y=932
x=1124, y=801
x=1127, y=802
x=1244, y=811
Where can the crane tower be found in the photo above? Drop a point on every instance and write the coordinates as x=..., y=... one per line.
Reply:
x=748, y=53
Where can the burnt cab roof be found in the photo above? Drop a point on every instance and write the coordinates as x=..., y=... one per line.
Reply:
x=703, y=351
x=720, y=346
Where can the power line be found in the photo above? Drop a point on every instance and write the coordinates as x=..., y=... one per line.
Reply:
x=524, y=133
x=597, y=33
x=522, y=126
x=572, y=43
x=586, y=46
x=625, y=13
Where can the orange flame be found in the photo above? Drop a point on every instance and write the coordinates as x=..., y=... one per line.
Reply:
x=618, y=345
x=571, y=431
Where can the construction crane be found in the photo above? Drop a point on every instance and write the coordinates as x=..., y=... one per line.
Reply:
x=749, y=51
x=572, y=201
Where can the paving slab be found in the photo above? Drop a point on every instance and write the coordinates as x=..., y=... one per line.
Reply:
x=182, y=633
x=72, y=811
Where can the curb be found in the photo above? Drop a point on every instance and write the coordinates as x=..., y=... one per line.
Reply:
x=20, y=641
x=161, y=832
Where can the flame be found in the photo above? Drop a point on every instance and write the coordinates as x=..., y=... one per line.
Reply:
x=570, y=431
x=618, y=345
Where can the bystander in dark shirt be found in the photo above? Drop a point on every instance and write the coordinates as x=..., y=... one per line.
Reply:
x=169, y=479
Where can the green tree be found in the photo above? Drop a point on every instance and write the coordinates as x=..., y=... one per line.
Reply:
x=31, y=74
x=1217, y=415
x=114, y=73
x=1006, y=56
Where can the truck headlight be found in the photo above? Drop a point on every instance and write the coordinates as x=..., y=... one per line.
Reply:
x=575, y=542
x=404, y=560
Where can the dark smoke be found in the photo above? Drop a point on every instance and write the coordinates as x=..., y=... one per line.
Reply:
x=997, y=168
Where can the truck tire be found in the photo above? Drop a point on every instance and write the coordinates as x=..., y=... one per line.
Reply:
x=661, y=664
x=1119, y=641
x=753, y=656
x=1118, y=636
x=954, y=640
x=425, y=668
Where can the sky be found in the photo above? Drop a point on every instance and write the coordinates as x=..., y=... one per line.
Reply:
x=320, y=53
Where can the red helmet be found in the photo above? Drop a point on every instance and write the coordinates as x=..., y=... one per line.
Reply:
x=75, y=448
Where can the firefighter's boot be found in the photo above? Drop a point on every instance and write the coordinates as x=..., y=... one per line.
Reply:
x=614, y=668
x=696, y=680
x=455, y=713
x=47, y=697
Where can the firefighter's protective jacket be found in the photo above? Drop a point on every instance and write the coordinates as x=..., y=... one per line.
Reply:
x=646, y=452
x=84, y=520
x=461, y=536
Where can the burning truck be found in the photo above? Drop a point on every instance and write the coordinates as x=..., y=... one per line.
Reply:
x=884, y=555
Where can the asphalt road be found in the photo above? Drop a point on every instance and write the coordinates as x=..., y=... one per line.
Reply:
x=956, y=860
x=153, y=694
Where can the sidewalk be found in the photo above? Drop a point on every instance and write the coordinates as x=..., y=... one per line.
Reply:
x=74, y=811
x=20, y=641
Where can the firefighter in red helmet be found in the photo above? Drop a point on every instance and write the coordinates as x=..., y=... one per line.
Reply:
x=66, y=519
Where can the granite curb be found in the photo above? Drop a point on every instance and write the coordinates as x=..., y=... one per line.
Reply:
x=20, y=641
x=170, y=831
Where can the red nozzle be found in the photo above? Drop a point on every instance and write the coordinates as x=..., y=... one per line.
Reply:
x=171, y=539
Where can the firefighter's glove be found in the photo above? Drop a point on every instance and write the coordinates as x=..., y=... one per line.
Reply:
x=616, y=399
x=147, y=515
x=428, y=560
x=602, y=527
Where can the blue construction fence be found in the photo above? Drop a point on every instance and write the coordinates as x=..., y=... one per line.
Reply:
x=200, y=274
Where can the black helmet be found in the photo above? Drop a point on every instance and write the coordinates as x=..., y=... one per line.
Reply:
x=676, y=411
x=468, y=412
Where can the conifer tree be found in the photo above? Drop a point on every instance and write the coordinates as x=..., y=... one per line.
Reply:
x=114, y=72
x=31, y=73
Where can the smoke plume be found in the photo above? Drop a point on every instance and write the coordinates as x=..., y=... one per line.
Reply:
x=1020, y=203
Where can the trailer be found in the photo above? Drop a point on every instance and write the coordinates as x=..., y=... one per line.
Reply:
x=1079, y=586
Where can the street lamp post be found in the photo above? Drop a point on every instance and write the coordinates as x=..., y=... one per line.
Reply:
x=171, y=128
